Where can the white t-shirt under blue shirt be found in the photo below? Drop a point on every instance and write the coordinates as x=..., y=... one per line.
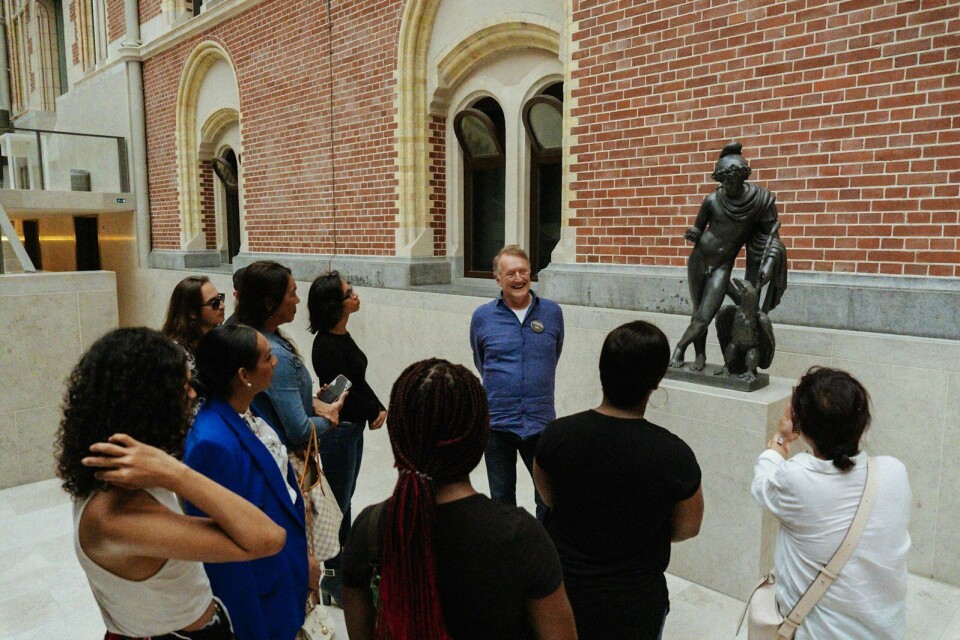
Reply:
x=521, y=313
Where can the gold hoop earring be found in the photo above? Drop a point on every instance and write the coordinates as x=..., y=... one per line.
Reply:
x=666, y=399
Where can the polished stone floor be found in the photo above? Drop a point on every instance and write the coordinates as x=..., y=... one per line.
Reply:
x=44, y=595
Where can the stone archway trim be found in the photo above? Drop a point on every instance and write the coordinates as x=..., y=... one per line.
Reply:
x=414, y=111
x=494, y=40
x=203, y=56
x=216, y=124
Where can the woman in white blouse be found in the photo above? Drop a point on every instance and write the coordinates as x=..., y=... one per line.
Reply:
x=815, y=496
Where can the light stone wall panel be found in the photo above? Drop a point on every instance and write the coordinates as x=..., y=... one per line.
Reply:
x=906, y=408
x=98, y=315
x=725, y=556
x=36, y=431
x=39, y=344
x=9, y=454
x=48, y=320
x=946, y=558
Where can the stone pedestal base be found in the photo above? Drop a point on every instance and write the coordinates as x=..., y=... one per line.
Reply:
x=711, y=378
x=727, y=430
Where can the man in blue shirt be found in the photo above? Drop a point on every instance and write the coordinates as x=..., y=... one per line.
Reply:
x=516, y=340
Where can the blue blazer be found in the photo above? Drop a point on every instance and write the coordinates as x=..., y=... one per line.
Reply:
x=266, y=598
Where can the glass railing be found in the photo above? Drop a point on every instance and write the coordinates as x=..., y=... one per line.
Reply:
x=63, y=161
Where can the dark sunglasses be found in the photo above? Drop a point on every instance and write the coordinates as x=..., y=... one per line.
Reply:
x=216, y=302
x=349, y=293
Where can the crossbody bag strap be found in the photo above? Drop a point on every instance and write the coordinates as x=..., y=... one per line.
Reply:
x=311, y=451
x=374, y=547
x=829, y=573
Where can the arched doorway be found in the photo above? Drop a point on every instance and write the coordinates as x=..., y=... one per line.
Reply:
x=227, y=166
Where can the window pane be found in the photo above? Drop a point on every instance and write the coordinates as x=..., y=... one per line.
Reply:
x=547, y=125
x=548, y=213
x=477, y=139
x=487, y=221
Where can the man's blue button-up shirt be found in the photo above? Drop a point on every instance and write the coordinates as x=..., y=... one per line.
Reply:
x=518, y=362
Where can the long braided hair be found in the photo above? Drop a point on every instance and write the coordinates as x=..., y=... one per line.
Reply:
x=439, y=424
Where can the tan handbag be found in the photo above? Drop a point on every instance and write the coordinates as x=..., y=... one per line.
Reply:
x=323, y=514
x=762, y=614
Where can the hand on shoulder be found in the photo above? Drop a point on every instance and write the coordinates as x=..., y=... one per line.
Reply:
x=132, y=465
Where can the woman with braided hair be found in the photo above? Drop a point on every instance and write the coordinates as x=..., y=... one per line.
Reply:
x=439, y=560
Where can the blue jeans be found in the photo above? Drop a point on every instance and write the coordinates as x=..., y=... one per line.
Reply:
x=501, y=458
x=341, y=449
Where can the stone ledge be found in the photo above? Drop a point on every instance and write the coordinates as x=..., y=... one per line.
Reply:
x=385, y=272
x=926, y=307
x=180, y=260
x=18, y=284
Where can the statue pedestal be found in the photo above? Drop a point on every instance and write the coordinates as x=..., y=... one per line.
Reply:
x=710, y=377
x=727, y=430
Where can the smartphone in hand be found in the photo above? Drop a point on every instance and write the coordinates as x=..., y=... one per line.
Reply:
x=334, y=389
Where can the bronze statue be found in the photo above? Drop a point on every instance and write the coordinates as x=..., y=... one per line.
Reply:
x=738, y=213
x=745, y=333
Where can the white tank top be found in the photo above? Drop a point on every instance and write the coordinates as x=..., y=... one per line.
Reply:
x=173, y=598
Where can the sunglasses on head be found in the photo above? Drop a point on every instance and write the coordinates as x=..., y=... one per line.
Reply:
x=215, y=302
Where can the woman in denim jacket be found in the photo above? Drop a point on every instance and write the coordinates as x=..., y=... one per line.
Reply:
x=268, y=299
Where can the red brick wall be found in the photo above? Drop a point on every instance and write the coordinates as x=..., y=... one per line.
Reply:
x=160, y=83
x=30, y=62
x=847, y=111
x=291, y=174
x=115, y=22
x=149, y=9
x=208, y=207
x=438, y=183
x=75, y=47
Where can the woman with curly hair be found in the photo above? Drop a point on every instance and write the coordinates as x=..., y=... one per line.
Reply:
x=450, y=562
x=126, y=414
x=195, y=307
x=331, y=303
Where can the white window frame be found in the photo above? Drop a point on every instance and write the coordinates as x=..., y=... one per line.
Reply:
x=543, y=73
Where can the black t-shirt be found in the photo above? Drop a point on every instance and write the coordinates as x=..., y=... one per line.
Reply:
x=614, y=483
x=491, y=559
x=335, y=354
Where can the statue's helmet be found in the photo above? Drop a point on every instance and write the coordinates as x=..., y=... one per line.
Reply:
x=731, y=162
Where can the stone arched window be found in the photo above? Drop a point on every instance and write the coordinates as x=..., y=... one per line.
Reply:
x=490, y=63
x=208, y=125
x=440, y=44
x=481, y=134
x=90, y=20
x=543, y=121
x=450, y=55
x=18, y=26
x=227, y=167
x=34, y=52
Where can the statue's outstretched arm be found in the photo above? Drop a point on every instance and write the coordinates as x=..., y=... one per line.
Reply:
x=703, y=218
